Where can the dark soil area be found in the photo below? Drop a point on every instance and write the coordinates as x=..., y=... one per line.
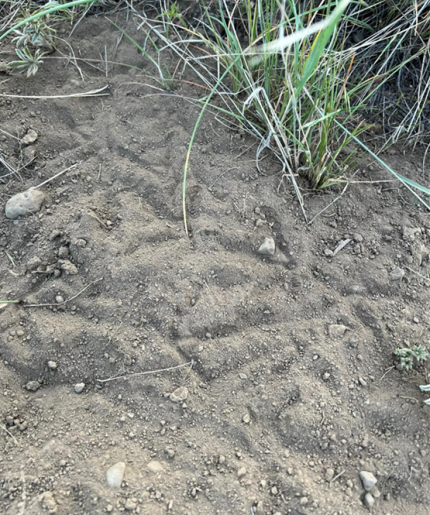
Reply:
x=290, y=389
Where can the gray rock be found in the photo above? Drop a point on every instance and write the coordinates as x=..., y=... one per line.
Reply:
x=129, y=505
x=24, y=204
x=33, y=386
x=375, y=492
x=397, y=274
x=337, y=330
x=52, y=365
x=368, y=480
x=155, y=466
x=179, y=395
x=30, y=137
x=357, y=237
x=329, y=475
x=362, y=381
x=170, y=453
x=241, y=472
x=79, y=388
x=369, y=501
x=268, y=247
x=328, y=253
x=115, y=475
x=59, y=299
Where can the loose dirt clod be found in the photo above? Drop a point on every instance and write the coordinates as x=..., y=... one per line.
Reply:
x=179, y=395
x=24, y=204
x=33, y=386
x=30, y=137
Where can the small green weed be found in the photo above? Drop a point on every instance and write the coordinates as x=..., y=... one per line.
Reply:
x=31, y=38
x=408, y=357
x=36, y=33
x=170, y=16
x=28, y=63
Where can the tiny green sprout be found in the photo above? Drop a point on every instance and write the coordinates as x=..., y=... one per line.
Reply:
x=27, y=62
x=171, y=15
x=407, y=356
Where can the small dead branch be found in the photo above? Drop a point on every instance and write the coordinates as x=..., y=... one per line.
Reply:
x=148, y=372
x=336, y=477
x=93, y=93
x=9, y=433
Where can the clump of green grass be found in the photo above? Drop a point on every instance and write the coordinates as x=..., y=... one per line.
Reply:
x=283, y=72
x=287, y=73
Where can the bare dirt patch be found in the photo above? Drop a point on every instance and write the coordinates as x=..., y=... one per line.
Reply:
x=287, y=399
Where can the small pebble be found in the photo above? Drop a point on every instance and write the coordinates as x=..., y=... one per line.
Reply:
x=329, y=475
x=368, y=480
x=375, y=492
x=241, y=472
x=170, y=453
x=33, y=386
x=369, y=501
x=59, y=299
x=52, y=365
x=155, y=466
x=79, y=387
x=268, y=247
x=115, y=475
x=129, y=505
x=304, y=501
x=246, y=419
x=362, y=381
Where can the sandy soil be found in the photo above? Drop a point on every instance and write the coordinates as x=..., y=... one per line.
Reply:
x=287, y=389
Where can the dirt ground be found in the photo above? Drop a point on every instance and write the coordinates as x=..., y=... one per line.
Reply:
x=287, y=389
